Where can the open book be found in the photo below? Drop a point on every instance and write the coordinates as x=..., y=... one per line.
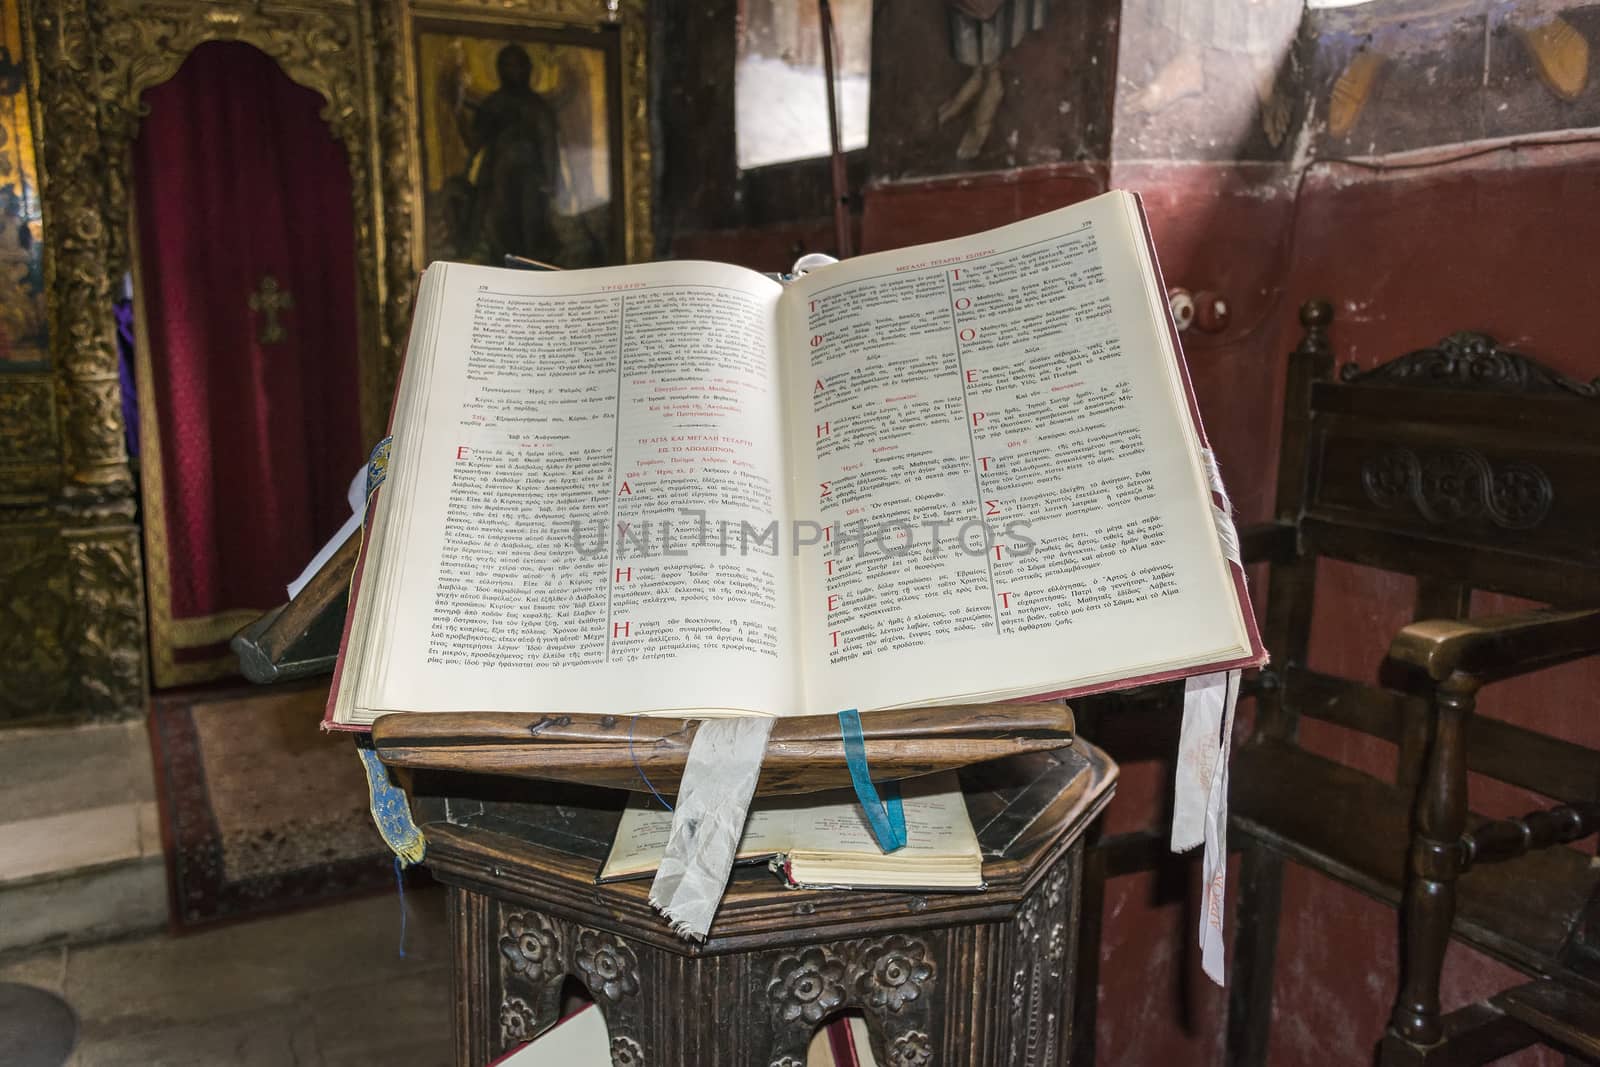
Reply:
x=823, y=840
x=960, y=472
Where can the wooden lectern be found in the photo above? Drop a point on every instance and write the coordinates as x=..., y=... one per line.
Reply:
x=948, y=978
x=940, y=977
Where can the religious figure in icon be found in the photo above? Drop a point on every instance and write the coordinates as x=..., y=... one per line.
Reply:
x=502, y=202
x=520, y=148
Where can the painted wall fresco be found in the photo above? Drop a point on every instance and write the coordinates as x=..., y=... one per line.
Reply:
x=1027, y=82
x=1396, y=76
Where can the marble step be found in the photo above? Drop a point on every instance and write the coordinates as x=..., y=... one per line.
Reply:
x=80, y=839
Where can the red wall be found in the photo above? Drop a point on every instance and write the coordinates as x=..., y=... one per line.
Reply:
x=1503, y=243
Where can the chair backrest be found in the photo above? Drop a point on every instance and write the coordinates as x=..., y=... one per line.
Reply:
x=1466, y=465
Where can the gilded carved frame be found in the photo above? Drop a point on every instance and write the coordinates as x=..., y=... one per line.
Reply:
x=631, y=18
x=89, y=62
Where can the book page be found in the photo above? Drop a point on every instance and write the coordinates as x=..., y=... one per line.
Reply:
x=642, y=833
x=995, y=434
x=827, y=823
x=587, y=496
x=937, y=823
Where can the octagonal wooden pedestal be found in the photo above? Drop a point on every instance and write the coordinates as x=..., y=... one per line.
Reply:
x=941, y=978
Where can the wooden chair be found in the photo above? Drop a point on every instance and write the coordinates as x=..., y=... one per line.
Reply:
x=1468, y=467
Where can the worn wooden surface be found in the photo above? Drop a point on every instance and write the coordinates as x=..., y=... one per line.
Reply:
x=804, y=754
x=1503, y=645
x=1568, y=1018
x=948, y=978
x=1467, y=466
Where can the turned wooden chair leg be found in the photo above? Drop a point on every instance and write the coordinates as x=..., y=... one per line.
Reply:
x=1255, y=950
x=1086, y=1003
x=1430, y=900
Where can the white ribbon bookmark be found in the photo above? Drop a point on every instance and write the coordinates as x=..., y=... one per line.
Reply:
x=1200, y=812
x=719, y=778
x=1200, y=805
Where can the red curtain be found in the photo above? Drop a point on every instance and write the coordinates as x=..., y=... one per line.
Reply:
x=237, y=180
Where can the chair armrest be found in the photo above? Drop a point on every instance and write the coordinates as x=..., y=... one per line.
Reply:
x=1499, y=646
x=1268, y=542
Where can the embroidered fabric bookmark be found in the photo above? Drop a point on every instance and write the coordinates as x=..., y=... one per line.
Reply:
x=719, y=778
x=378, y=465
x=390, y=812
x=1200, y=805
x=885, y=815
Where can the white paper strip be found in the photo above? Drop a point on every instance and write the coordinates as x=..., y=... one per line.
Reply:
x=1200, y=804
x=1201, y=811
x=719, y=778
x=1215, y=863
x=1199, y=749
x=356, y=496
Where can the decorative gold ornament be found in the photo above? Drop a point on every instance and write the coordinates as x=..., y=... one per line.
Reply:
x=73, y=189
x=1352, y=91
x=1560, y=53
x=27, y=419
x=35, y=618
x=401, y=183
x=108, y=618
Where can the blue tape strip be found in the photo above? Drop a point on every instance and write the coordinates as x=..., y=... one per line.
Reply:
x=884, y=814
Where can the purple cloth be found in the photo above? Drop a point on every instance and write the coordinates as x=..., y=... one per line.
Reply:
x=123, y=309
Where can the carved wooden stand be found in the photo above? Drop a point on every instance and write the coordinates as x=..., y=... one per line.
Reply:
x=941, y=978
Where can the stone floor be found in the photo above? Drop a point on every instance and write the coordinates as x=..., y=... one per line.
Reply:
x=318, y=988
x=80, y=842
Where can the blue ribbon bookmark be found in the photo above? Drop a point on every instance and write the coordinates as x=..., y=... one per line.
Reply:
x=885, y=815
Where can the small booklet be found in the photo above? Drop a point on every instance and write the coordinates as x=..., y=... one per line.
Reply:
x=822, y=840
x=963, y=472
